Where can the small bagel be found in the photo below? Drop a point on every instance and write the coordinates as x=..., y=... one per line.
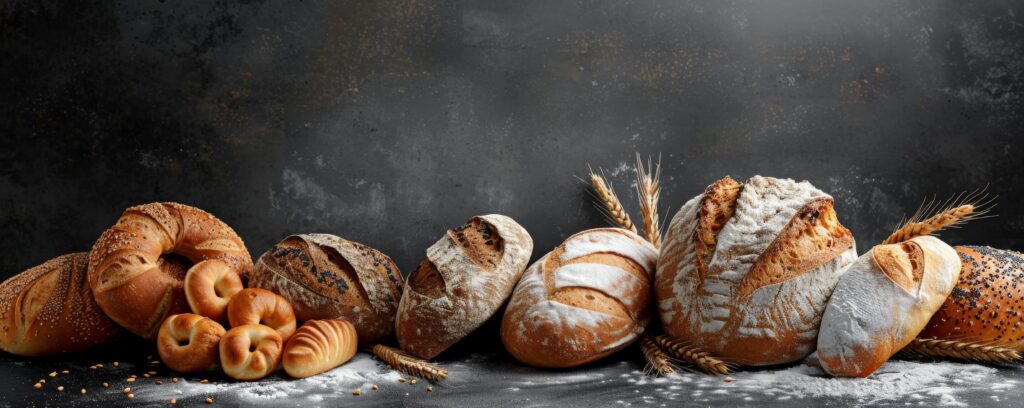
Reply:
x=261, y=306
x=250, y=352
x=209, y=285
x=187, y=342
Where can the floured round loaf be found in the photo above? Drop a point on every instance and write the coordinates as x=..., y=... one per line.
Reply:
x=987, y=304
x=466, y=277
x=326, y=277
x=746, y=270
x=586, y=299
x=882, y=302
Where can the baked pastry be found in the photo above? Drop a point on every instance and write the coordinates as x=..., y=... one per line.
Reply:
x=987, y=304
x=466, y=277
x=189, y=343
x=746, y=270
x=259, y=306
x=209, y=285
x=882, y=302
x=49, y=309
x=586, y=299
x=327, y=277
x=123, y=265
x=250, y=351
x=318, y=346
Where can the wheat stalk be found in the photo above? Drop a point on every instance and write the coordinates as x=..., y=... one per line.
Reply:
x=648, y=190
x=962, y=350
x=934, y=216
x=409, y=364
x=658, y=362
x=609, y=202
x=692, y=354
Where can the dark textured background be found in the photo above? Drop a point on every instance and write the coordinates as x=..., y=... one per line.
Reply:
x=386, y=122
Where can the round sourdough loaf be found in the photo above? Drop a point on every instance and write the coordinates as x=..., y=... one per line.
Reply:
x=466, y=277
x=747, y=269
x=326, y=277
x=49, y=309
x=882, y=302
x=987, y=304
x=586, y=299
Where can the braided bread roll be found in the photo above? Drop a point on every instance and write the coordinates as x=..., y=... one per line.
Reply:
x=49, y=309
x=327, y=277
x=747, y=269
x=250, y=351
x=318, y=346
x=586, y=299
x=123, y=265
x=189, y=343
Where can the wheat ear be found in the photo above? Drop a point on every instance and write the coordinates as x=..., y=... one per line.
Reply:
x=658, y=362
x=961, y=350
x=648, y=190
x=692, y=354
x=934, y=216
x=409, y=364
x=609, y=203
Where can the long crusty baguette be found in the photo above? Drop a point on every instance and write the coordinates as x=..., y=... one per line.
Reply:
x=49, y=309
x=466, y=277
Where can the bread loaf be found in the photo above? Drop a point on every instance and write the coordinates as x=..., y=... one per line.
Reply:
x=209, y=285
x=882, y=302
x=746, y=270
x=123, y=265
x=189, y=343
x=327, y=277
x=987, y=304
x=49, y=309
x=586, y=299
x=466, y=277
x=259, y=306
x=318, y=346
x=250, y=351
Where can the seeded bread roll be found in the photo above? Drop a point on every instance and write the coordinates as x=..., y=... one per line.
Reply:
x=746, y=270
x=586, y=299
x=882, y=302
x=326, y=277
x=49, y=309
x=466, y=277
x=987, y=304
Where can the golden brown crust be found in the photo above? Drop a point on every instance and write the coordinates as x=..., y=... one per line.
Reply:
x=327, y=277
x=903, y=263
x=716, y=208
x=318, y=346
x=812, y=237
x=49, y=309
x=987, y=304
x=189, y=343
x=124, y=265
x=250, y=352
x=209, y=285
x=259, y=306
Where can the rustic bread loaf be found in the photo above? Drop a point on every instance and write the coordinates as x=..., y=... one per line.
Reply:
x=250, y=351
x=318, y=346
x=260, y=306
x=209, y=285
x=466, y=277
x=586, y=299
x=746, y=270
x=189, y=343
x=123, y=265
x=327, y=277
x=882, y=302
x=987, y=304
x=49, y=309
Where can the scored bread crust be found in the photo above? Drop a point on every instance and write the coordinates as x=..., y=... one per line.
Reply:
x=467, y=276
x=318, y=346
x=327, y=277
x=124, y=271
x=883, y=301
x=49, y=309
x=987, y=304
x=754, y=294
x=584, y=300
